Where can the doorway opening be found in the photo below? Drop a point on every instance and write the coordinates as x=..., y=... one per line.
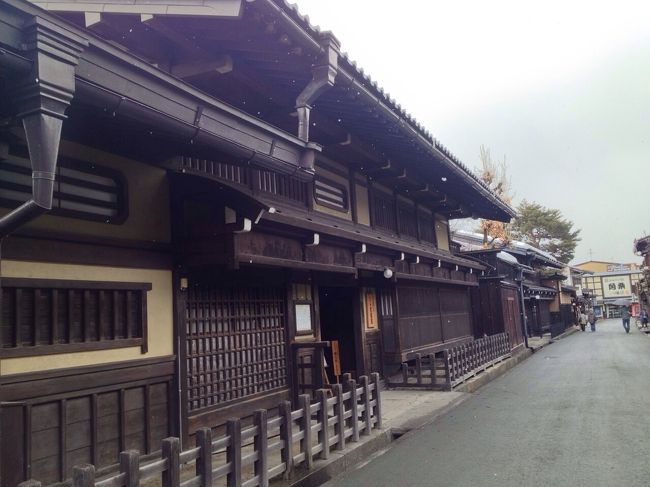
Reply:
x=337, y=323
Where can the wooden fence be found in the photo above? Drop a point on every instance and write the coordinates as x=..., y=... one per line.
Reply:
x=448, y=368
x=250, y=456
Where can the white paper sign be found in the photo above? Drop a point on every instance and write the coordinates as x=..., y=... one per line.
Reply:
x=303, y=318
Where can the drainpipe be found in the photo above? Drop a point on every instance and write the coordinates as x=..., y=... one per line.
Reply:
x=39, y=94
x=39, y=100
x=324, y=76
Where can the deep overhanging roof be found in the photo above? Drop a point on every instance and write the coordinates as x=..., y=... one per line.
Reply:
x=356, y=103
x=114, y=81
x=513, y=247
x=407, y=124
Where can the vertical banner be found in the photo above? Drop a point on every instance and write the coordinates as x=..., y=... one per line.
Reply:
x=370, y=308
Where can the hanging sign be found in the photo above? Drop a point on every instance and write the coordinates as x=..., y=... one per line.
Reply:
x=370, y=308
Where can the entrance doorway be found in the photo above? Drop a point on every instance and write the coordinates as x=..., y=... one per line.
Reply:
x=337, y=323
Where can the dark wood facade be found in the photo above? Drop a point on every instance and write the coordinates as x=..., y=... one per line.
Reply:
x=515, y=290
x=498, y=298
x=199, y=258
x=52, y=421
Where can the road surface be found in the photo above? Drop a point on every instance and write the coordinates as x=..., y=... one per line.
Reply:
x=576, y=413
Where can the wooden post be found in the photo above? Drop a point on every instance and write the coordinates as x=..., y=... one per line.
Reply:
x=305, y=425
x=432, y=369
x=204, y=462
x=354, y=417
x=318, y=370
x=286, y=435
x=339, y=412
x=324, y=433
x=82, y=476
x=365, y=416
x=377, y=397
x=445, y=359
x=418, y=368
x=171, y=449
x=261, y=443
x=233, y=453
x=130, y=465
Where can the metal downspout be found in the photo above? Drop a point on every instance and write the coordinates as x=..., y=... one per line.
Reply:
x=324, y=77
x=40, y=99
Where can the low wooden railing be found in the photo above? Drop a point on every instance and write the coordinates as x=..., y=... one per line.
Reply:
x=250, y=456
x=465, y=361
x=448, y=368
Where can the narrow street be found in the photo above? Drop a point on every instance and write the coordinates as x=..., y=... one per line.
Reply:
x=575, y=413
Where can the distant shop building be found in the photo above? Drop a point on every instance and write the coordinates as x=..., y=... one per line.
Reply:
x=607, y=287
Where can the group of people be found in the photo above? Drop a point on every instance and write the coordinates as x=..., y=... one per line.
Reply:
x=590, y=318
x=587, y=318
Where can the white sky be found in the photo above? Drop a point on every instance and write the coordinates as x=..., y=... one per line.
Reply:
x=561, y=88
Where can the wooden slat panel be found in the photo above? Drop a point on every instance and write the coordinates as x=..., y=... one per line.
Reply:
x=236, y=339
x=41, y=316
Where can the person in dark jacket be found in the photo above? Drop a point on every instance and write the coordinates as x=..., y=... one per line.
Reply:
x=591, y=318
x=643, y=315
x=625, y=314
x=583, y=320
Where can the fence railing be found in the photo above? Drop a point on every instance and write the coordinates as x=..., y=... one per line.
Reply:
x=248, y=456
x=447, y=368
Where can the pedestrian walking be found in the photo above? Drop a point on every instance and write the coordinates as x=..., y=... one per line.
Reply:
x=591, y=318
x=625, y=314
x=582, y=320
x=643, y=316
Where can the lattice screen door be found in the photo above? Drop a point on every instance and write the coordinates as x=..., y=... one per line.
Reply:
x=235, y=344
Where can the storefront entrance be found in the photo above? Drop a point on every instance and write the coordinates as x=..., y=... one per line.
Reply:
x=337, y=323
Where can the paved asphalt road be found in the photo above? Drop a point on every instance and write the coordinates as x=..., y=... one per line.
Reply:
x=576, y=413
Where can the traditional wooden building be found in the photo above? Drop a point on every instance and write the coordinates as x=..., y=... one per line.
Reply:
x=197, y=198
x=499, y=297
x=536, y=274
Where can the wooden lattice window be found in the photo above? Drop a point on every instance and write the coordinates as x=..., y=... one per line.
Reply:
x=425, y=224
x=46, y=316
x=219, y=169
x=283, y=186
x=383, y=211
x=236, y=343
x=81, y=189
x=408, y=223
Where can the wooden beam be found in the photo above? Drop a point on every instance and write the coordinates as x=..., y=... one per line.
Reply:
x=155, y=23
x=221, y=64
x=92, y=18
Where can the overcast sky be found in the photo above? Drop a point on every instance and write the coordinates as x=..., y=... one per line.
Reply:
x=561, y=89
